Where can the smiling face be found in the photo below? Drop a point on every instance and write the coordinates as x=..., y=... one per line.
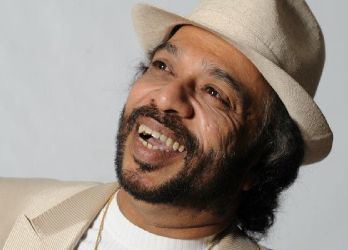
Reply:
x=187, y=120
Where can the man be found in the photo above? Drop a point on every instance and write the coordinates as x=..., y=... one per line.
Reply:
x=215, y=126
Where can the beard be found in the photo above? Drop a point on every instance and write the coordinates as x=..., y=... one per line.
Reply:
x=208, y=179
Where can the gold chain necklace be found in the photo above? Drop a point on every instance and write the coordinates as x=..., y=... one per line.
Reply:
x=101, y=226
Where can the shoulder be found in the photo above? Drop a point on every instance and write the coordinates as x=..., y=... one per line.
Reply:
x=31, y=196
x=38, y=183
x=17, y=193
x=239, y=241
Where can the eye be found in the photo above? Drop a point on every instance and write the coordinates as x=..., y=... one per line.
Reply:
x=211, y=91
x=160, y=65
x=215, y=94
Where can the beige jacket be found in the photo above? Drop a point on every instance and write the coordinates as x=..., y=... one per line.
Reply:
x=50, y=214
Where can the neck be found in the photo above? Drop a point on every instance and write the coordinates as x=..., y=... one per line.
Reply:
x=169, y=221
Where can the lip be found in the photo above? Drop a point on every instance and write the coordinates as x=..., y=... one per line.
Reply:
x=156, y=158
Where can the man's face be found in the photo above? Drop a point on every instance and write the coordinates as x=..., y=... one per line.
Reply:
x=187, y=119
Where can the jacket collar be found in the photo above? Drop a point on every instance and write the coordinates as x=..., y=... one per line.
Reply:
x=62, y=225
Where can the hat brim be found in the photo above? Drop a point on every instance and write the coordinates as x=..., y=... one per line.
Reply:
x=153, y=24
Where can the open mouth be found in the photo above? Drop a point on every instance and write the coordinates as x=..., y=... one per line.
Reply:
x=155, y=140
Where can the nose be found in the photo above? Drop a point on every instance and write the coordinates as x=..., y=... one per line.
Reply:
x=174, y=97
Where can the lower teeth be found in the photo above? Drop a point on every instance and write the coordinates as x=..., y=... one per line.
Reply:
x=150, y=146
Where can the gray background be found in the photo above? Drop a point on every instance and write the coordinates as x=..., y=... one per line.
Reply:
x=65, y=67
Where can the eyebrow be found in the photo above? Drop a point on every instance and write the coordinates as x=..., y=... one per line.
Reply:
x=220, y=74
x=166, y=46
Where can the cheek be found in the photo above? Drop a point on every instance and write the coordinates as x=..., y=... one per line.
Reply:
x=210, y=129
x=217, y=134
x=214, y=129
x=213, y=135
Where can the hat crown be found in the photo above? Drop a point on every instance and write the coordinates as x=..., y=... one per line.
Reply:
x=284, y=31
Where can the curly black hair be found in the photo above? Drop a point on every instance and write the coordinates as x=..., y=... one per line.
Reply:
x=281, y=149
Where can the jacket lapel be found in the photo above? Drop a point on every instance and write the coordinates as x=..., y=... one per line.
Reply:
x=61, y=226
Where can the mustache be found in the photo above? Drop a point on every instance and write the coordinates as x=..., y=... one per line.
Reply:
x=169, y=120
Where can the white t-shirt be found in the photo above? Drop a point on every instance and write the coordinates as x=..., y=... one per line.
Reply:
x=120, y=234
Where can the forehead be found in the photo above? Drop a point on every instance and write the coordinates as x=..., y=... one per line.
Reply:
x=195, y=43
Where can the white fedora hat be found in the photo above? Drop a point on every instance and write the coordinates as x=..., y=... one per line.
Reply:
x=281, y=38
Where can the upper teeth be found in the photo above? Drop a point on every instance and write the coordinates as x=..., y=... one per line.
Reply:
x=169, y=142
